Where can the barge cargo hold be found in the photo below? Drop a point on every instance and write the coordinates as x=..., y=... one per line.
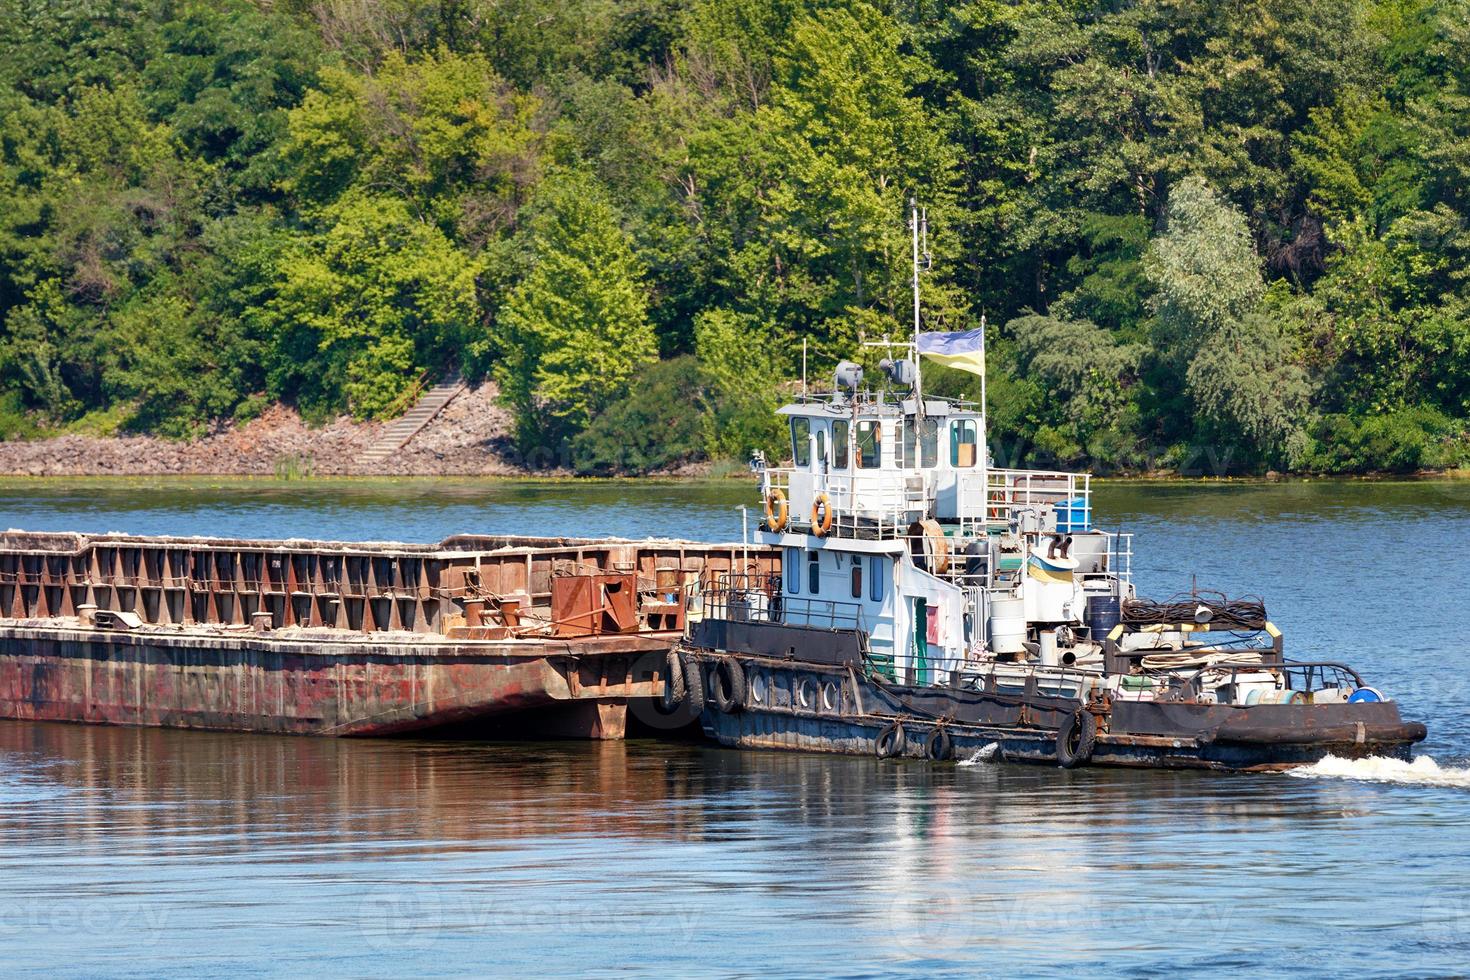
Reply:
x=336, y=638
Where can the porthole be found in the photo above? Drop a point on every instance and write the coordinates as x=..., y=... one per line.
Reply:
x=829, y=696
x=806, y=692
x=758, y=688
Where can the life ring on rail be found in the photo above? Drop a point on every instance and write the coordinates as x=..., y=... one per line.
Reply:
x=821, y=515
x=777, y=512
x=1076, y=739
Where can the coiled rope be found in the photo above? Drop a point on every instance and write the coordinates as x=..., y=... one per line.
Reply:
x=1224, y=613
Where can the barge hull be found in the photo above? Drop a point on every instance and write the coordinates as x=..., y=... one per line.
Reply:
x=344, y=638
x=319, y=687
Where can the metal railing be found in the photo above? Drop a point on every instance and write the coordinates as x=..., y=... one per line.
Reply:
x=891, y=498
x=884, y=502
x=758, y=598
x=1120, y=555
x=1305, y=676
x=1029, y=678
x=1014, y=680
x=1004, y=493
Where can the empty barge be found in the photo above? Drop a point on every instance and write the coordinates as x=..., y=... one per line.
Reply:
x=337, y=638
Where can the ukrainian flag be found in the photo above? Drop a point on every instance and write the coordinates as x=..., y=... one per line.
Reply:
x=961, y=349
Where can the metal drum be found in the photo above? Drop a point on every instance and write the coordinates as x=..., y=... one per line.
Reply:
x=1007, y=625
x=1103, y=613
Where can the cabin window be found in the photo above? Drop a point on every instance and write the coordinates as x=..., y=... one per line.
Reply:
x=839, y=444
x=801, y=447
x=875, y=578
x=869, y=443
x=793, y=571
x=963, y=444
x=821, y=446
x=814, y=572
x=921, y=443
x=857, y=578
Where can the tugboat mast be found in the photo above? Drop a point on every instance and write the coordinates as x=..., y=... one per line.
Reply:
x=919, y=228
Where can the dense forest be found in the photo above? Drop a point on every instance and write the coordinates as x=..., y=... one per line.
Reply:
x=1233, y=232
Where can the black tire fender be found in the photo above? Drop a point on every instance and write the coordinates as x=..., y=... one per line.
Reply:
x=729, y=685
x=694, y=684
x=891, y=741
x=1076, y=739
x=674, y=690
x=939, y=746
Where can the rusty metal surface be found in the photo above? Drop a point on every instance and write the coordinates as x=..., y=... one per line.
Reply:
x=333, y=638
x=359, y=587
x=310, y=685
x=592, y=604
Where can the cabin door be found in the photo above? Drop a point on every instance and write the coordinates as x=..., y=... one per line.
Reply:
x=921, y=642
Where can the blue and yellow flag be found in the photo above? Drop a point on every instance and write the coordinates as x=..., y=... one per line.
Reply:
x=961, y=349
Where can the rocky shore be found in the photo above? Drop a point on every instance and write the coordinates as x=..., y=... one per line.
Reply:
x=470, y=437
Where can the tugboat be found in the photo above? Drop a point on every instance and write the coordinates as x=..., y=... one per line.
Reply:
x=934, y=606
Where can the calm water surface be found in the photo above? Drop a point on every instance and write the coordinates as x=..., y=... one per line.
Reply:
x=140, y=853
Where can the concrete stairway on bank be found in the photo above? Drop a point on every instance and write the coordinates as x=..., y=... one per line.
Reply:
x=397, y=433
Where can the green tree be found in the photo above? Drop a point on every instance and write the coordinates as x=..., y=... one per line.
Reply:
x=1204, y=271
x=1238, y=366
x=743, y=372
x=575, y=329
x=444, y=133
x=1082, y=376
x=654, y=426
x=366, y=300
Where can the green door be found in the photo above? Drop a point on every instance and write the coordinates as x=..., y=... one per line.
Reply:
x=921, y=641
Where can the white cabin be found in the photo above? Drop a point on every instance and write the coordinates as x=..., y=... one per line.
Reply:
x=892, y=519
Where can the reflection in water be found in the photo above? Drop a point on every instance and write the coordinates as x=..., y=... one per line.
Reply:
x=257, y=853
x=145, y=852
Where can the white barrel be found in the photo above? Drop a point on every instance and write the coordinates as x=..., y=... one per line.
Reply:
x=1007, y=625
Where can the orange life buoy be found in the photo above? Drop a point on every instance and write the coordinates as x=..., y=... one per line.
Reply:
x=821, y=515
x=777, y=513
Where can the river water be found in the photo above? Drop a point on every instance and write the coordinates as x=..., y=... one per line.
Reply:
x=144, y=853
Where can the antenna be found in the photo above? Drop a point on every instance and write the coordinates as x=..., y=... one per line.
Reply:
x=919, y=227
x=803, y=369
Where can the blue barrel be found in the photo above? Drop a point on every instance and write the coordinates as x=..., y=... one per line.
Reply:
x=1103, y=613
x=1074, y=516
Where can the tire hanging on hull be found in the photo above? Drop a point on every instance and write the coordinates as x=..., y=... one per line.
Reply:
x=728, y=685
x=939, y=746
x=694, y=685
x=674, y=689
x=891, y=741
x=1076, y=739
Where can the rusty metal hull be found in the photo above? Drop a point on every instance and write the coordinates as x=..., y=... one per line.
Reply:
x=343, y=638
x=316, y=685
x=821, y=708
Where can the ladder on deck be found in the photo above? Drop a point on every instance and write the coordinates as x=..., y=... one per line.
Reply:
x=396, y=435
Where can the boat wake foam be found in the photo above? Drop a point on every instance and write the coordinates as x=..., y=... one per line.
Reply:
x=986, y=753
x=1422, y=771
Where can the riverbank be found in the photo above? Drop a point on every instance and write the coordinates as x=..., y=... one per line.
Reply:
x=470, y=437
